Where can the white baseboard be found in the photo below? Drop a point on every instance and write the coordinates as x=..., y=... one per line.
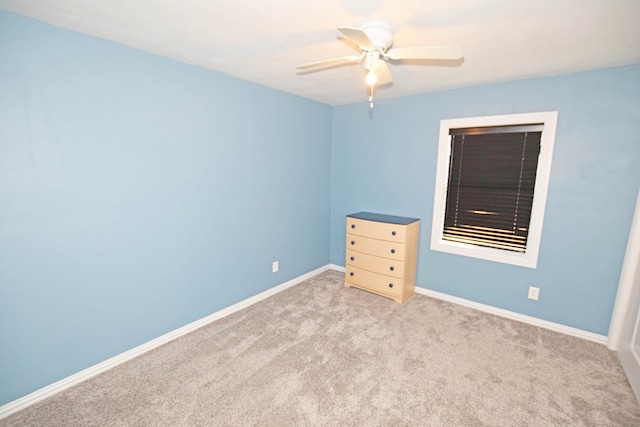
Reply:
x=65, y=383
x=568, y=330
x=337, y=267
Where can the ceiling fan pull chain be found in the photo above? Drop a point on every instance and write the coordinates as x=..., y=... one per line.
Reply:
x=371, y=98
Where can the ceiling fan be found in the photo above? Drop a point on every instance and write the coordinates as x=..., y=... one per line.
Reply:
x=375, y=39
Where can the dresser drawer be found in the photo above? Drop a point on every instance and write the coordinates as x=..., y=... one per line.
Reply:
x=377, y=230
x=372, y=281
x=374, y=264
x=381, y=248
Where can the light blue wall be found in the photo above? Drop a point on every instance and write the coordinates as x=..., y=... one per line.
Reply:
x=138, y=194
x=386, y=162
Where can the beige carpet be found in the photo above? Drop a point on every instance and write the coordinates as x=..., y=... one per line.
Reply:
x=320, y=354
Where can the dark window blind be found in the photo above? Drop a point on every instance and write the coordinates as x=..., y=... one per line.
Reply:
x=492, y=174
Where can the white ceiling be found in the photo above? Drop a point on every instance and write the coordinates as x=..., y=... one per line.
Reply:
x=263, y=40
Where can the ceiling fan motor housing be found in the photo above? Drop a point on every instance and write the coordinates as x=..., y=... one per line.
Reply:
x=380, y=33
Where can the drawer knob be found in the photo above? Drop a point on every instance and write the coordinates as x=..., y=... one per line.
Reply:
x=393, y=251
x=351, y=274
x=391, y=285
x=353, y=242
x=353, y=258
x=393, y=233
x=391, y=268
x=353, y=226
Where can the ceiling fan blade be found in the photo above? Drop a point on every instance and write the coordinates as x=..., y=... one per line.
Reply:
x=427, y=52
x=359, y=37
x=331, y=62
x=383, y=73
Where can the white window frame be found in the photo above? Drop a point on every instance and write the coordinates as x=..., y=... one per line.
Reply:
x=530, y=257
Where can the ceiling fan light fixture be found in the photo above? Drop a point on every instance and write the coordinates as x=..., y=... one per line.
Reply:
x=371, y=78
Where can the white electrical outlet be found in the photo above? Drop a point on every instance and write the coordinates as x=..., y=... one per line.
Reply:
x=274, y=267
x=534, y=293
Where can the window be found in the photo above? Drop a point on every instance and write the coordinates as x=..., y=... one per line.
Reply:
x=491, y=186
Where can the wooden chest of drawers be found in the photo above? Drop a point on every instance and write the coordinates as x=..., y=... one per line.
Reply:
x=382, y=254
